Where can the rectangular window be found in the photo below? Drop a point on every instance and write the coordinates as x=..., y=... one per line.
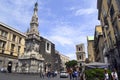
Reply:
x=0, y=32
x=11, y=53
x=79, y=49
x=20, y=40
x=3, y=33
x=14, y=37
x=48, y=47
x=12, y=47
x=2, y=44
x=19, y=49
x=112, y=11
x=80, y=57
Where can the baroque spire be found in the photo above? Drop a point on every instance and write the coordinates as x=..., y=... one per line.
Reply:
x=34, y=21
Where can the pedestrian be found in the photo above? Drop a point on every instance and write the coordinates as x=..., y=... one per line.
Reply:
x=48, y=74
x=70, y=73
x=44, y=74
x=114, y=75
x=56, y=73
x=9, y=67
x=106, y=75
x=75, y=75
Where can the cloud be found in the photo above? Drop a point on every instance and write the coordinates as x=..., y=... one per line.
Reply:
x=62, y=35
x=87, y=11
x=61, y=40
x=66, y=35
x=72, y=56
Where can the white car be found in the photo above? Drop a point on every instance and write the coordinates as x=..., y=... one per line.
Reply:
x=64, y=74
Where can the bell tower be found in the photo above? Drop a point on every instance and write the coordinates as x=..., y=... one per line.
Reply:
x=80, y=54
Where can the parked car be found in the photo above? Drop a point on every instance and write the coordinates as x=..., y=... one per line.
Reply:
x=64, y=74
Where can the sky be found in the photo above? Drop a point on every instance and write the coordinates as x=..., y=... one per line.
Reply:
x=66, y=23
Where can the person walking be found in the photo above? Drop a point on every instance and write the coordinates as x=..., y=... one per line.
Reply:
x=75, y=74
x=9, y=67
x=70, y=73
x=114, y=75
x=106, y=75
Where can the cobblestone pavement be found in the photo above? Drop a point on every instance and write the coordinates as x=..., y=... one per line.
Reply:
x=16, y=76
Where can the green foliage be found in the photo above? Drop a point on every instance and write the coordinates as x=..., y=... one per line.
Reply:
x=95, y=74
x=71, y=63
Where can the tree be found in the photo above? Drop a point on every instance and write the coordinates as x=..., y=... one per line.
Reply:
x=95, y=74
x=71, y=63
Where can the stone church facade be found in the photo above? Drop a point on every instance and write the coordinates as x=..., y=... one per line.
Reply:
x=39, y=52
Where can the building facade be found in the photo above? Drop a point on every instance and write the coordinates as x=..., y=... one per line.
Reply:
x=99, y=45
x=47, y=49
x=80, y=54
x=90, y=48
x=64, y=59
x=12, y=44
x=58, y=61
x=109, y=16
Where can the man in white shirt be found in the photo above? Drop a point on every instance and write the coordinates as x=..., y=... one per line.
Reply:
x=114, y=75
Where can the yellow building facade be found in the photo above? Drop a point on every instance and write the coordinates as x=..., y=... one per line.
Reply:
x=109, y=16
x=12, y=45
x=90, y=48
